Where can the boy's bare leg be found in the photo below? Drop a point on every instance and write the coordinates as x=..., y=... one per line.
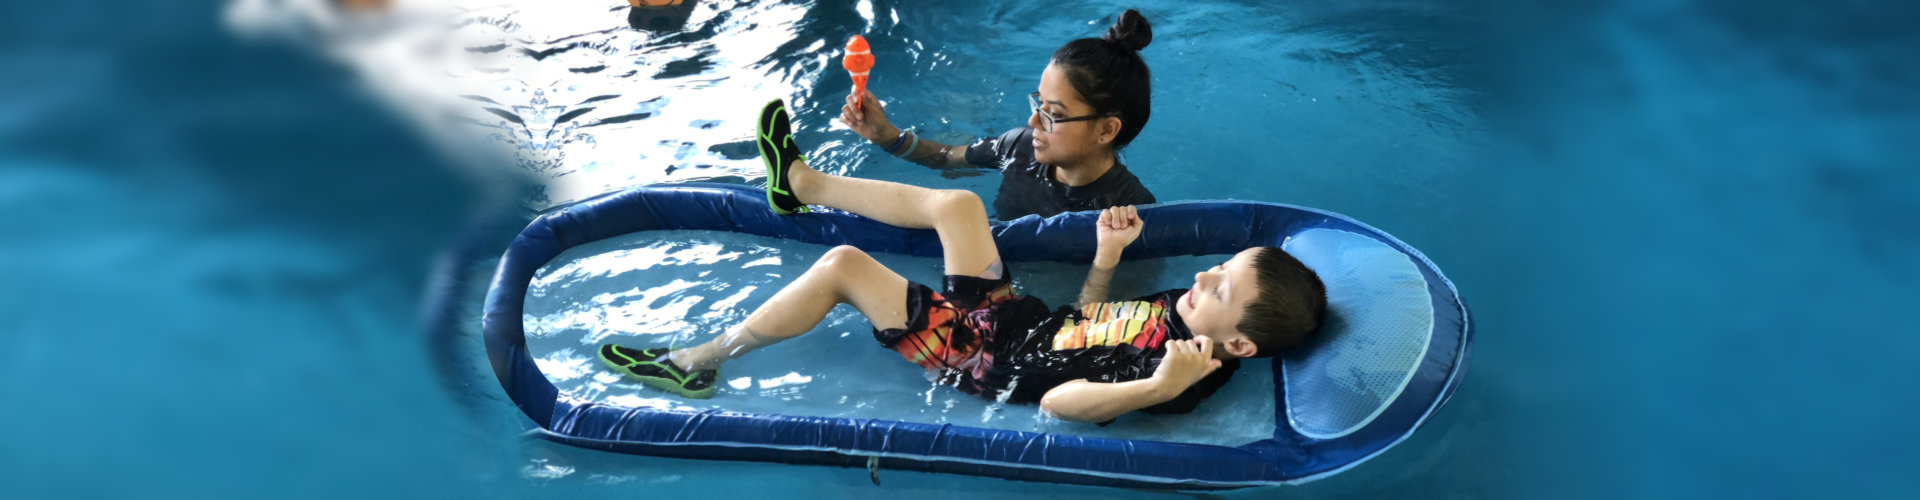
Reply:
x=957, y=215
x=845, y=275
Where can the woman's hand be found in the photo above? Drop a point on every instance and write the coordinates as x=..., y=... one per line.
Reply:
x=1117, y=228
x=1186, y=362
x=870, y=120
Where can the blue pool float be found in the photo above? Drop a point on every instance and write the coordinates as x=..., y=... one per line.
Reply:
x=1389, y=353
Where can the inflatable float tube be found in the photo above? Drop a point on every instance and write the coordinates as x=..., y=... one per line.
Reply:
x=1389, y=353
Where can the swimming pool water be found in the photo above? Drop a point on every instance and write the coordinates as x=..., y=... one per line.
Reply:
x=1686, y=254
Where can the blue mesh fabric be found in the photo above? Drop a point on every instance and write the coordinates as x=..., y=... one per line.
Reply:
x=1378, y=322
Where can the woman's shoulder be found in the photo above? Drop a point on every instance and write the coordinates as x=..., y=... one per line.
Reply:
x=1126, y=187
x=1017, y=141
x=994, y=152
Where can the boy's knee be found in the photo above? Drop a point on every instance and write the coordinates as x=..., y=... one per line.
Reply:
x=960, y=203
x=840, y=257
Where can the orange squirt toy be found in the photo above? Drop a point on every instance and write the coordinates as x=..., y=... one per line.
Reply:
x=858, y=61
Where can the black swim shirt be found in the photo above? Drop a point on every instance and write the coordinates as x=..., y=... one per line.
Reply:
x=1107, y=342
x=1027, y=186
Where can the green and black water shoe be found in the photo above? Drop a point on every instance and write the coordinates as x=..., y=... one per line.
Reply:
x=651, y=367
x=774, y=134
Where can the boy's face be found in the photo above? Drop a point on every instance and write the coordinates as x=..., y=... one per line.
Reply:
x=1219, y=298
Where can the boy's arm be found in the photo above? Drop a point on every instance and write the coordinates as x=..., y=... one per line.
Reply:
x=1117, y=227
x=1095, y=402
x=1094, y=291
x=1186, y=362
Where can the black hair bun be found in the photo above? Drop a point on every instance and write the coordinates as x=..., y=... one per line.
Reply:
x=1131, y=31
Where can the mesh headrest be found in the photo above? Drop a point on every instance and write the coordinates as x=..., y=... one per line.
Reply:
x=1376, y=329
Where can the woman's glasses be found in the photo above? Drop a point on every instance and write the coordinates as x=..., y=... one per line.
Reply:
x=1033, y=102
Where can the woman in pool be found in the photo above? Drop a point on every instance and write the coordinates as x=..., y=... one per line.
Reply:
x=1093, y=99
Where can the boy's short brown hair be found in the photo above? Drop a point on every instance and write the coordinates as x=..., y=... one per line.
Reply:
x=1288, y=306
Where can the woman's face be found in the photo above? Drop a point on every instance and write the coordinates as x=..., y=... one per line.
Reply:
x=1070, y=142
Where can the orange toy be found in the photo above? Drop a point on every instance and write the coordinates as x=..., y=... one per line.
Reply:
x=859, y=61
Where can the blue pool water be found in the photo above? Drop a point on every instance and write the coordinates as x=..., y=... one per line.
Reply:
x=234, y=270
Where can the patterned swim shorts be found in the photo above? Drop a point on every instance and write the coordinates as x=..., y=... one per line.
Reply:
x=951, y=332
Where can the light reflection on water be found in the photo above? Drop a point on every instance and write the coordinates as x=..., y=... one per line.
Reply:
x=572, y=92
x=574, y=96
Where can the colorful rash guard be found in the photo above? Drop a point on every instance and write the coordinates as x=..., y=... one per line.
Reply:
x=1027, y=186
x=1138, y=323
